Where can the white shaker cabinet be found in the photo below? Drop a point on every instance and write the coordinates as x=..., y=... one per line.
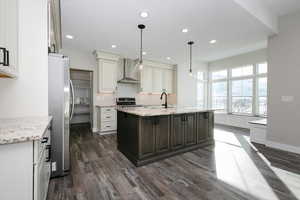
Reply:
x=157, y=77
x=25, y=169
x=8, y=38
x=146, y=79
x=157, y=83
x=168, y=81
x=107, y=72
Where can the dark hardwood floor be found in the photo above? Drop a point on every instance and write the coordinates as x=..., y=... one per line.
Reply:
x=232, y=169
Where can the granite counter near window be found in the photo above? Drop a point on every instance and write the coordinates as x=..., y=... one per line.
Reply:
x=16, y=130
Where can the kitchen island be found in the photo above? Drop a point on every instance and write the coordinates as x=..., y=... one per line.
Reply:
x=146, y=135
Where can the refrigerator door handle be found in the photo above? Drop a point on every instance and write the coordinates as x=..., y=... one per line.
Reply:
x=73, y=97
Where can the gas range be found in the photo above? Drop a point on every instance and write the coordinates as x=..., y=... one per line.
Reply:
x=127, y=102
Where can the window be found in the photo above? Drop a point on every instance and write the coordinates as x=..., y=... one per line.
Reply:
x=242, y=93
x=200, y=95
x=219, y=75
x=262, y=68
x=262, y=95
x=201, y=91
x=219, y=95
x=246, y=86
x=242, y=71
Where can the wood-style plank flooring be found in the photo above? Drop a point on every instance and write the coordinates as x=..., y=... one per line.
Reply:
x=231, y=169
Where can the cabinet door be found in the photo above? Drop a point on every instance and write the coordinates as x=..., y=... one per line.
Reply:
x=202, y=127
x=147, y=137
x=168, y=81
x=190, y=129
x=211, y=125
x=9, y=34
x=107, y=75
x=177, y=135
x=162, y=132
x=157, y=80
x=146, y=79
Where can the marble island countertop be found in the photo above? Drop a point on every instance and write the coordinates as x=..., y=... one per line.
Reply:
x=144, y=111
x=24, y=129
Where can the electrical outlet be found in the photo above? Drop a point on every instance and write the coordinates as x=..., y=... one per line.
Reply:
x=54, y=166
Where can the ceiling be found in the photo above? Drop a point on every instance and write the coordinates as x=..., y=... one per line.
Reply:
x=98, y=24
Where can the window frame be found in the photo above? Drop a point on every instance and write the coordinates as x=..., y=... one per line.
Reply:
x=211, y=81
x=258, y=76
x=205, y=88
x=255, y=78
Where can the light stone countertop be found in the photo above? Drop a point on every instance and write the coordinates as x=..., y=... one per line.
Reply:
x=144, y=111
x=23, y=129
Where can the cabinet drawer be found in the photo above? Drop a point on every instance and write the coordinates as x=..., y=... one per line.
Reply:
x=108, y=126
x=40, y=145
x=108, y=110
x=108, y=116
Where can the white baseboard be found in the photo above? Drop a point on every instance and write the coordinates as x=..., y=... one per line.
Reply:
x=283, y=147
x=107, y=132
x=95, y=130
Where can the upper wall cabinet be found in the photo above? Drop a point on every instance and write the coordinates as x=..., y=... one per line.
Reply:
x=107, y=72
x=146, y=79
x=157, y=77
x=8, y=38
x=168, y=79
x=54, y=26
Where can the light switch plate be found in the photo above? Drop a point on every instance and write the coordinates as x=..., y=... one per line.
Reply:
x=287, y=98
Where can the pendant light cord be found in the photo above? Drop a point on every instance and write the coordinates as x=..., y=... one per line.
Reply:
x=190, y=57
x=141, y=49
x=190, y=43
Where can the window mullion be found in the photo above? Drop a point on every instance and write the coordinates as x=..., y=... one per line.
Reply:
x=229, y=92
x=255, y=92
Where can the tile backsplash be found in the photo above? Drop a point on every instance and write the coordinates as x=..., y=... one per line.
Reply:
x=141, y=99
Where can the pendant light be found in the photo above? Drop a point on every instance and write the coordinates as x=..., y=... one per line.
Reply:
x=190, y=43
x=140, y=64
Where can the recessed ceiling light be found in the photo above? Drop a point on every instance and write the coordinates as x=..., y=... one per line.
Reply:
x=213, y=41
x=168, y=58
x=185, y=30
x=113, y=46
x=144, y=53
x=144, y=14
x=71, y=37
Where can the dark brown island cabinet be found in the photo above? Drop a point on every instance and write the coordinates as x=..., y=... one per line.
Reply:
x=148, y=139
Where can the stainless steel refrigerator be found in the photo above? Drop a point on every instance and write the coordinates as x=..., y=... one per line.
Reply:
x=60, y=107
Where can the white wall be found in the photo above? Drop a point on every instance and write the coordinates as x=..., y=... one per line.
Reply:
x=235, y=61
x=28, y=95
x=239, y=60
x=85, y=60
x=284, y=72
x=187, y=85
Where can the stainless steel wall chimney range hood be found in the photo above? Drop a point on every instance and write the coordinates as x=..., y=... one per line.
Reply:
x=128, y=67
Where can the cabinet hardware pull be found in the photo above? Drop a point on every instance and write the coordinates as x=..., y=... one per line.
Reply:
x=44, y=140
x=3, y=50
x=48, y=147
x=7, y=58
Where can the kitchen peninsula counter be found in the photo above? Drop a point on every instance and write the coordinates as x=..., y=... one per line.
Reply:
x=146, y=135
x=145, y=111
x=23, y=129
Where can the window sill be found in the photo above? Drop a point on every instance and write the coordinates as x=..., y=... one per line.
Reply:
x=246, y=115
